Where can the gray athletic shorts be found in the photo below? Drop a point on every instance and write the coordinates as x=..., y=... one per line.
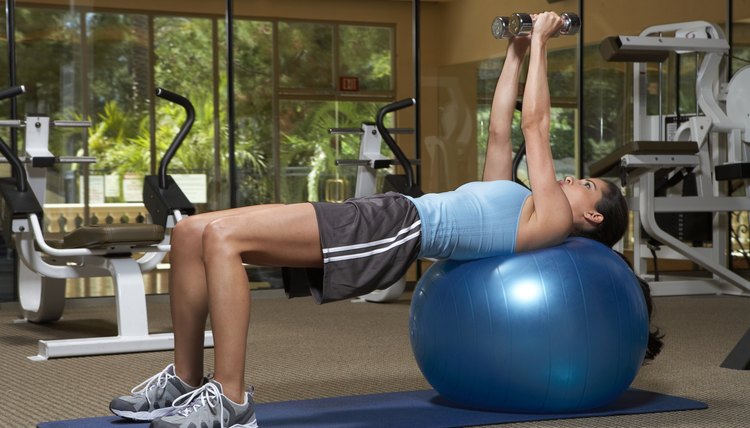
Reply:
x=368, y=244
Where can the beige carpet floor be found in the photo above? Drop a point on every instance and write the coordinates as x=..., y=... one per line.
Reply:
x=299, y=350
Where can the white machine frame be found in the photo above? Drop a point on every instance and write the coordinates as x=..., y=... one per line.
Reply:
x=42, y=273
x=705, y=129
x=370, y=158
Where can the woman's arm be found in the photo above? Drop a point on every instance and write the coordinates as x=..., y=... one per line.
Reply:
x=498, y=161
x=551, y=220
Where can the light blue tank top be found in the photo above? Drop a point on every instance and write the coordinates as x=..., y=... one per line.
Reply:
x=477, y=220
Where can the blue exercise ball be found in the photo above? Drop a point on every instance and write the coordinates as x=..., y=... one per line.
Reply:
x=562, y=329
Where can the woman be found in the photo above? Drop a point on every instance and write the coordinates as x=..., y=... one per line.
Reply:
x=352, y=248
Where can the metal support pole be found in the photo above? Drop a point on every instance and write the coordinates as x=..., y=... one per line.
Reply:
x=230, y=105
x=579, y=93
x=10, y=34
x=729, y=30
x=418, y=107
x=10, y=31
x=417, y=83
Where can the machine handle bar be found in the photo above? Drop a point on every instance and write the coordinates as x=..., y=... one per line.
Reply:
x=359, y=131
x=17, y=123
x=15, y=163
x=12, y=92
x=184, y=130
x=400, y=156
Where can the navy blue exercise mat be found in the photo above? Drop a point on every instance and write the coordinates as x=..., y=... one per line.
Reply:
x=411, y=409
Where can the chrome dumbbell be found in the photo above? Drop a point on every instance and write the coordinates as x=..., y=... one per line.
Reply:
x=521, y=24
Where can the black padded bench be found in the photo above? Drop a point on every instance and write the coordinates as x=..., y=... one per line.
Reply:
x=610, y=164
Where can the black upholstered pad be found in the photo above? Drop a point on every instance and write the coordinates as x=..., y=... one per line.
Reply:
x=103, y=236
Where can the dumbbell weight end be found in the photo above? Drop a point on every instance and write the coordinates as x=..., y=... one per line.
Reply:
x=571, y=24
x=500, y=27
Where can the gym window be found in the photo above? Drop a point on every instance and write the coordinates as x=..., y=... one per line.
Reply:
x=293, y=80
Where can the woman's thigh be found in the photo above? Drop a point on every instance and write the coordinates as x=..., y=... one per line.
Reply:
x=269, y=235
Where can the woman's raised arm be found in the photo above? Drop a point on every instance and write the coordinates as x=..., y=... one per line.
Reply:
x=498, y=160
x=552, y=219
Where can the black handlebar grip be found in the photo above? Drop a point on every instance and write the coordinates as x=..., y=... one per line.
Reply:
x=398, y=105
x=172, y=97
x=12, y=92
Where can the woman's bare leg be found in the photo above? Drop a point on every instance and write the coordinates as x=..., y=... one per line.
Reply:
x=189, y=293
x=188, y=299
x=280, y=235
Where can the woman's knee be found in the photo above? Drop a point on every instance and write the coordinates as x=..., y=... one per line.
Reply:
x=217, y=240
x=187, y=234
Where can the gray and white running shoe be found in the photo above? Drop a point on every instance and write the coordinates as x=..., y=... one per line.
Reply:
x=152, y=398
x=208, y=407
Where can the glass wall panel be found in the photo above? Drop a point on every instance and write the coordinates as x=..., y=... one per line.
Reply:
x=304, y=147
x=118, y=106
x=306, y=55
x=740, y=34
x=48, y=65
x=373, y=65
x=254, y=132
x=309, y=151
x=184, y=63
x=608, y=112
x=607, y=90
x=118, y=62
x=104, y=65
x=47, y=59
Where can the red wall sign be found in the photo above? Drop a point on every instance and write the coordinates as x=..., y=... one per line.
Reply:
x=349, y=83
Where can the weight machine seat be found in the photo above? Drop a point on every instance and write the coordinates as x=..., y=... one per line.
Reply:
x=611, y=162
x=108, y=235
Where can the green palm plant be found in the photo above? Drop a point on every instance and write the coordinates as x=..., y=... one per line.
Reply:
x=114, y=141
x=121, y=142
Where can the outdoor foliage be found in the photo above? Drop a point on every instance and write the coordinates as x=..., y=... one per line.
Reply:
x=84, y=64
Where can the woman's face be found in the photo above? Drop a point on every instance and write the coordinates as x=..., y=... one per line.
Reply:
x=583, y=195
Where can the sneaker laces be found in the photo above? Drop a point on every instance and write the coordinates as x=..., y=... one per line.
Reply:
x=159, y=380
x=209, y=394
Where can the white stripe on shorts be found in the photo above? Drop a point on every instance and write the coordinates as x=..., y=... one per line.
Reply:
x=394, y=242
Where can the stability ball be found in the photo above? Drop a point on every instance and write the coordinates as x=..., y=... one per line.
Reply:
x=563, y=329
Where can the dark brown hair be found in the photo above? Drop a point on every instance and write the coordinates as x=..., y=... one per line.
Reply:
x=614, y=208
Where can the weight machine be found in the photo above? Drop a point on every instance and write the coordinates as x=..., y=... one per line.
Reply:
x=89, y=251
x=710, y=146
x=370, y=161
